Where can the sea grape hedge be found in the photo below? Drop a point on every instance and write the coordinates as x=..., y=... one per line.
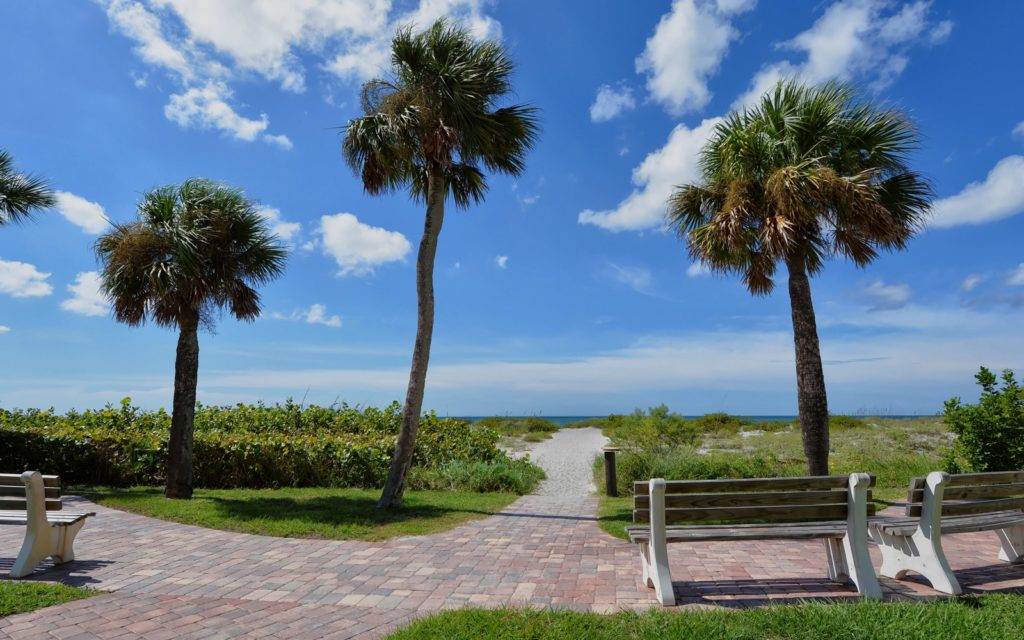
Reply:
x=241, y=446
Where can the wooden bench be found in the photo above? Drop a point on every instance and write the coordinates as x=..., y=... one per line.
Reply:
x=832, y=508
x=944, y=503
x=33, y=500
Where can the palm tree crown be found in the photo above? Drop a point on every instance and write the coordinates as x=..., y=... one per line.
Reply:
x=806, y=174
x=195, y=248
x=20, y=194
x=439, y=113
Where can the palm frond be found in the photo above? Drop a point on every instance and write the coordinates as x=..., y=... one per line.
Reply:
x=21, y=194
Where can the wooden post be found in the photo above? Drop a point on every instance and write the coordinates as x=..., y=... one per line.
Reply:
x=611, y=486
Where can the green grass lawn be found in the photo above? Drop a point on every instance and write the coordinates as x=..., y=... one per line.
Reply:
x=336, y=514
x=21, y=597
x=993, y=617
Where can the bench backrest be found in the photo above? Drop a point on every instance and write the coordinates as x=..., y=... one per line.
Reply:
x=809, y=498
x=972, y=493
x=12, y=492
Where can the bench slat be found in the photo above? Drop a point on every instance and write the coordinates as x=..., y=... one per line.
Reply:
x=959, y=524
x=974, y=507
x=772, y=513
x=19, y=491
x=766, y=498
x=21, y=504
x=14, y=480
x=972, y=492
x=750, y=484
x=988, y=477
x=755, y=532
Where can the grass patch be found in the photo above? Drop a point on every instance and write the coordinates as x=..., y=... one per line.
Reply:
x=22, y=597
x=334, y=514
x=529, y=429
x=994, y=617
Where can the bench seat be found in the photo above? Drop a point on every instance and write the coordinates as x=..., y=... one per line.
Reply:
x=829, y=508
x=943, y=503
x=722, y=532
x=33, y=500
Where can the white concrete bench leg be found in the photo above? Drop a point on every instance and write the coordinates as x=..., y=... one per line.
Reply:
x=656, y=572
x=855, y=543
x=921, y=552
x=1011, y=540
x=835, y=556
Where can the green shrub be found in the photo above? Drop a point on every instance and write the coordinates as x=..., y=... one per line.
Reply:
x=252, y=446
x=507, y=476
x=990, y=434
x=520, y=427
x=719, y=423
x=689, y=464
x=846, y=422
x=657, y=428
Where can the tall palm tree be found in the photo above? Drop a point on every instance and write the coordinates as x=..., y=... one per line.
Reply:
x=195, y=249
x=806, y=174
x=433, y=128
x=20, y=194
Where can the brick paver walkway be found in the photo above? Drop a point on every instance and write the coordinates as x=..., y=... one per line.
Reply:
x=167, y=580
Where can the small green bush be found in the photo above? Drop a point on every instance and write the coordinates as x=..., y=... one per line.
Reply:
x=657, y=428
x=719, y=423
x=990, y=434
x=520, y=427
x=846, y=422
x=507, y=476
x=689, y=464
x=251, y=446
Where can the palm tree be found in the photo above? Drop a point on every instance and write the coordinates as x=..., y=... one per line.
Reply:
x=433, y=128
x=195, y=249
x=806, y=174
x=20, y=194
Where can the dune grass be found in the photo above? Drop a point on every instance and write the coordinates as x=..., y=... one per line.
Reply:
x=334, y=514
x=993, y=617
x=22, y=597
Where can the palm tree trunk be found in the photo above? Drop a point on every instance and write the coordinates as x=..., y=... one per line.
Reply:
x=186, y=377
x=394, y=487
x=810, y=378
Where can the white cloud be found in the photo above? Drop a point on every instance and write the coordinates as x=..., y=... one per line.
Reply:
x=315, y=314
x=4, y=329
x=638, y=279
x=686, y=49
x=674, y=164
x=284, y=230
x=501, y=261
x=90, y=216
x=23, y=280
x=281, y=140
x=854, y=39
x=138, y=23
x=358, y=248
x=1018, y=131
x=611, y=102
x=86, y=299
x=697, y=269
x=206, y=107
x=886, y=297
x=971, y=282
x=1016, y=276
x=999, y=196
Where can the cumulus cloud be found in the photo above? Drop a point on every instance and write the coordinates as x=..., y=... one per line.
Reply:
x=4, y=329
x=90, y=216
x=885, y=297
x=686, y=49
x=23, y=280
x=315, y=314
x=675, y=163
x=283, y=229
x=1016, y=276
x=87, y=298
x=1000, y=195
x=1018, y=131
x=501, y=261
x=971, y=282
x=359, y=248
x=854, y=40
x=206, y=107
x=611, y=102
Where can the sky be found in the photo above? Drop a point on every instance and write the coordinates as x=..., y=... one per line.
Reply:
x=563, y=293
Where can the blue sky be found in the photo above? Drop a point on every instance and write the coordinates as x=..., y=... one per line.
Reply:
x=562, y=294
